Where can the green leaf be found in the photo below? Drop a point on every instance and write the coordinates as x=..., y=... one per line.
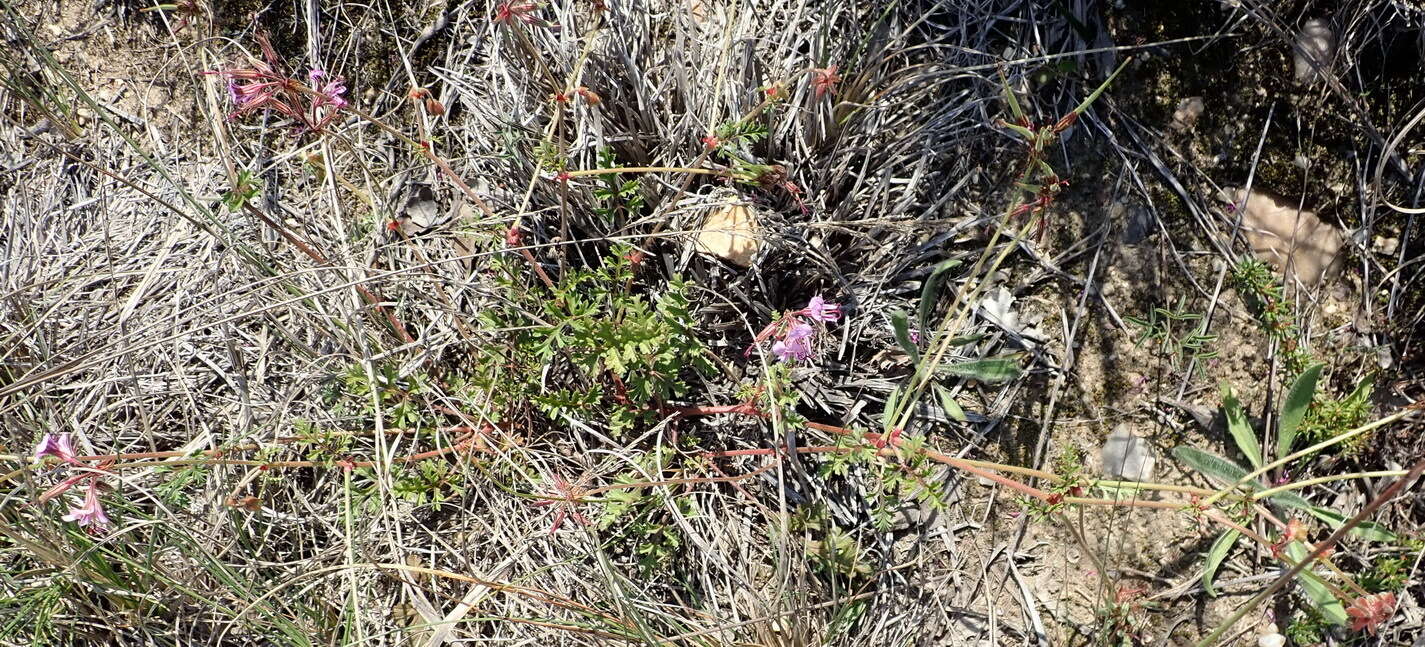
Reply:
x=1210, y=464
x=901, y=326
x=1367, y=530
x=967, y=339
x=930, y=292
x=989, y=371
x=1291, y=500
x=1026, y=133
x=1215, y=555
x=888, y=417
x=1009, y=97
x=1294, y=409
x=1316, y=589
x=1095, y=94
x=1240, y=429
x=948, y=403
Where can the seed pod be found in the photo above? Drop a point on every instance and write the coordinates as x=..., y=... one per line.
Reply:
x=434, y=107
x=591, y=97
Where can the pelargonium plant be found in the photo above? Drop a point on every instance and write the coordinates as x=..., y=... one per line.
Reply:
x=261, y=86
x=89, y=514
x=794, y=333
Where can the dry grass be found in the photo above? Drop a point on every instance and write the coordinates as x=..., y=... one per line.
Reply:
x=142, y=315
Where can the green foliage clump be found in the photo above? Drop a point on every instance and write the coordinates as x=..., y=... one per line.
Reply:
x=897, y=478
x=833, y=551
x=1386, y=574
x=592, y=350
x=1261, y=290
x=1307, y=627
x=640, y=516
x=428, y=482
x=1330, y=417
x=357, y=392
x=619, y=200
x=1069, y=465
x=1178, y=335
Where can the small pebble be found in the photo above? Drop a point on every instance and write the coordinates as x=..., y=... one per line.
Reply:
x=1127, y=457
x=1315, y=44
x=1385, y=246
x=1186, y=115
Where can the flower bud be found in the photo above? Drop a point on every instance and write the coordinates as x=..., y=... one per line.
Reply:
x=590, y=97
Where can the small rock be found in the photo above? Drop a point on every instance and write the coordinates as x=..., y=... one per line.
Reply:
x=1186, y=115
x=1271, y=637
x=1385, y=246
x=730, y=233
x=1127, y=457
x=1383, y=357
x=1315, y=46
x=1287, y=238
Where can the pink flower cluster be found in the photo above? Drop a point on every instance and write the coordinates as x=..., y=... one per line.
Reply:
x=1369, y=612
x=89, y=514
x=795, y=331
x=262, y=87
x=513, y=11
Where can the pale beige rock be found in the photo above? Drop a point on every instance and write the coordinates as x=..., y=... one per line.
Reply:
x=1186, y=115
x=1271, y=637
x=730, y=233
x=1316, y=43
x=1288, y=239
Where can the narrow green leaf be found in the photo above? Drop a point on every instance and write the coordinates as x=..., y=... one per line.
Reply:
x=901, y=326
x=1009, y=97
x=888, y=417
x=948, y=404
x=930, y=293
x=1240, y=429
x=1321, y=596
x=1367, y=530
x=1215, y=555
x=1023, y=132
x=1291, y=500
x=989, y=371
x=1210, y=464
x=1094, y=96
x=1226, y=471
x=967, y=339
x=1294, y=409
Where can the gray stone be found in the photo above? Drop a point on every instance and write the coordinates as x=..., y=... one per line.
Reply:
x=1127, y=457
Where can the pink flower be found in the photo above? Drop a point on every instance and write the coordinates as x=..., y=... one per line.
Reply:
x=261, y=88
x=790, y=349
x=56, y=445
x=90, y=515
x=330, y=90
x=819, y=310
x=509, y=12
x=799, y=330
x=824, y=80
x=795, y=342
x=1371, y=611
